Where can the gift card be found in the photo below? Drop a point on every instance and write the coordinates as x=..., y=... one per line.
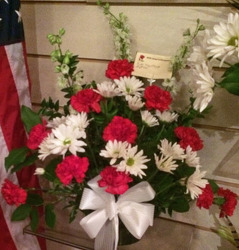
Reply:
x=152, y=66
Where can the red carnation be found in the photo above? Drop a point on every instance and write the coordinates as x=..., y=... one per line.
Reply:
x=120, y=129
x=119, y=68
x=13, y=194
x=230, y=203
x=157, y=98
x=205, y=199
x=115, y=181
x=37, y=134
x=72, y=167
x=85, y=100
x=188, y=137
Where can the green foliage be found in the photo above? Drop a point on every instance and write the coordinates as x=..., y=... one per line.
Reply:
x=34, y=199
x=49, y=108
x=214, y=186
x=34, y=219
x=29, y=118
x=21, y=212
x=230, y=80
x=50, y=217
x=16, y=156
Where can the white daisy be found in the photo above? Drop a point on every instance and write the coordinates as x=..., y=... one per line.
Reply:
x=169, y=150
x=129, y=86
x=134, y=102
x=78, y=121
x=191, y=159
x=114, y=149
x=55, y=122
x=165, y=164
x=44, y=147
x=66, y=138
x=202, y=87
x=225, y=43
x=107, y=89
x=195, y=183
x=166, y=116
x=148, y=118
x=133, y=162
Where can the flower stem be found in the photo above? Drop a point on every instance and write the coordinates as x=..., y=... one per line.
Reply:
x=152, y=175
x=167, y=187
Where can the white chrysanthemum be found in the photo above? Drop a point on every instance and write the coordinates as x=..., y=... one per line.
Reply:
x=191, y=159
x=166, y=116
x=199, y=50
x=78, y=121
x=149, y=119
x=195, y=183
x=107, y=89
x=114, y=149
x=134, y=102
x=202, y=87
x=66, y=138
x=55, y=122
x=44, y=147
x=165, y=164
x=129, y=86
x=169, y=150
x=133, y=162
x=225, y=43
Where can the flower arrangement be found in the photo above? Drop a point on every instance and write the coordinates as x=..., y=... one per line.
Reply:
x=119, y=147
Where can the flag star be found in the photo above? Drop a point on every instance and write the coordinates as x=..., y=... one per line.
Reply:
x=19, y=16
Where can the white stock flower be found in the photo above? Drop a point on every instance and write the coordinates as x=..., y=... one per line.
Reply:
x=114, y=149
x=225, y=42
x=148, y=118
x=191, y=159
x=195, y=183
x=134, y=102
x=199, y=50
x=165, y=164
x=172, y=85
x=78, y=121
x=202, y=87
x=133, y=162
x=129, y=86
x=66, y=138
x=169, y=150
x=166, y=116
x=107, y=89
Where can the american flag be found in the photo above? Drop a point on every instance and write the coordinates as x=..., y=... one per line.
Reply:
x=14, y=92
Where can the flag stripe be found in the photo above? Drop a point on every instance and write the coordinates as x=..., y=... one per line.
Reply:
x=17, y=64
x=14, y=134
x=22, y=241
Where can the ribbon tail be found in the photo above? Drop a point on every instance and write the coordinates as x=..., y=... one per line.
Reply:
x=105, y=240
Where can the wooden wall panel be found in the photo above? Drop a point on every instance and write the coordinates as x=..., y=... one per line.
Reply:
x=155, y=29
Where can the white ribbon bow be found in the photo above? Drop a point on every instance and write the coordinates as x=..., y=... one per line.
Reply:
x=103, y=223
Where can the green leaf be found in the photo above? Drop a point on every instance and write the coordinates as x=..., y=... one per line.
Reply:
x=34, y=199
x=219, y=201
x=21, y=212
x=50, y=173
x=231, y=79
x=50, y=217
x=16, y=156
x=34, y=219
x=214, y=186
x=180, y=205
x=29, y=118
x=27, y=162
